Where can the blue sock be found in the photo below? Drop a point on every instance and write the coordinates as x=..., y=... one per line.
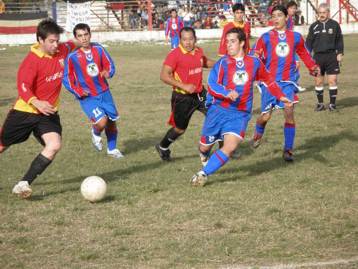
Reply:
x=217, y=159
x=289, y=133
x=96, y=131
x=111, y=133
x=259, y=131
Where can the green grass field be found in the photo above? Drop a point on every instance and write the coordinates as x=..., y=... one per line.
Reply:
x=257, y=211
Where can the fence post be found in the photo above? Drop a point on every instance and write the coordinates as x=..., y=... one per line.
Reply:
x=54, y=10
x=149, y=12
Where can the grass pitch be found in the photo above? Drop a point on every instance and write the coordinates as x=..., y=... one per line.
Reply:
x=256, y=211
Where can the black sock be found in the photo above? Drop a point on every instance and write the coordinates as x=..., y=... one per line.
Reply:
x=332, y=96
x=319, y=93
x=169, y=138
x=38, y=165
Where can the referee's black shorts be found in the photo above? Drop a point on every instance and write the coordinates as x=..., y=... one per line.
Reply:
x=328, y=63
x=183, y=107
x=19, y=125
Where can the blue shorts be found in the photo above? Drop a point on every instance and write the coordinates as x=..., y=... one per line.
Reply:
x=269, y=101
x=97, y=107
x=174, y=40
x=220, y=121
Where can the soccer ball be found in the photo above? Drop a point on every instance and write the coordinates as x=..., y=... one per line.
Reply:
x=93, y=188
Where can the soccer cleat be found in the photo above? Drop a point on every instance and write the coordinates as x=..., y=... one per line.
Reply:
x=288, y=156
x=115, y=153
x=97, y=142
x=199, y=179
x=163, y=153
x=332, y=107
x=204, y=159
x=320, y=107
x=22, y=189
x=255, y=143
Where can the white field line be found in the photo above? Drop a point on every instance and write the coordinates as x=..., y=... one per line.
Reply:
x=295, y=265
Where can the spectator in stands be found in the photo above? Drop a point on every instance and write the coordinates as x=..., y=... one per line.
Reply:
x=133, y=19
x=2, y=7
x=208, y=23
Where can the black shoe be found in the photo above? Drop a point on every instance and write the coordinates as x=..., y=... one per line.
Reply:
x=320, y=107
x=332, y=107
x=288, y=156
x=164, y=154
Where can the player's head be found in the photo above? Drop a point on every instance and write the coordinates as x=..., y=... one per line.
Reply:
x=239, y=12
x=173, y=13
x=235, y=42
x=48, y=35
x=323, y=12
x=291, y=8
x=82, y=32
x=188, y=38
x=279, y=17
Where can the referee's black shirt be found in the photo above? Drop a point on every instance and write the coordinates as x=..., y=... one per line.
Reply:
x=324, y=37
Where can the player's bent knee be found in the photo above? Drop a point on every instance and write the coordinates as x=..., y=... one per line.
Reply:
x=179, y=131
x=53, y=146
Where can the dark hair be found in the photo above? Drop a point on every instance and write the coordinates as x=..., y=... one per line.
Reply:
x=47, y=27
x=173, y=9
x=238, y=6
x=281, y=8
x=81, y=26
x=240, y=34
x=187, y=29
x=291, y=4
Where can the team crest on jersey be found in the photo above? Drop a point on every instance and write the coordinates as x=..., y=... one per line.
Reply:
x=174, y=26
x=89, y=56
x=240, y=63
x=330, y=31
x=282, y=49
x=282, y=36
x=92, y=70
x=240, y=77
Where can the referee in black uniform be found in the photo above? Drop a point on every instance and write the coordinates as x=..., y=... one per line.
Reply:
x=325, y=40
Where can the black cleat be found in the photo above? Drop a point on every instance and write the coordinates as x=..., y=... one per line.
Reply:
x=164, y=154
x=320, y=107
x=288, y=156
x=332, y=107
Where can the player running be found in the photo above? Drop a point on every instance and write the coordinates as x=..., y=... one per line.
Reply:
x=230, y=96
x=86, y=72
x=277, y=49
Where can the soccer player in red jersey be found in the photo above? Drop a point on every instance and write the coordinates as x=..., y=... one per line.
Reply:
x=183, y=70
x=39, y=81
x=239, y=22
x=86, y=72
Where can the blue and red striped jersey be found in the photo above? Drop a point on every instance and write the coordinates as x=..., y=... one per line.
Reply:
x=290, y=23
x=277, y=50
x=83, y=71
x=173, y=26
x=230, y=74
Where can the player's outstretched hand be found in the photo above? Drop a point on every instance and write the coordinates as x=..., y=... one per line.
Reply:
x=105, y=74
x=315, y=71
x=287, y=102
x=232, y=95
x=43, y=106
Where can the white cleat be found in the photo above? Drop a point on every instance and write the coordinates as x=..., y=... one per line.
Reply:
x=199, y=179
x=115, y=153
x=97, y=142
x=22, y=189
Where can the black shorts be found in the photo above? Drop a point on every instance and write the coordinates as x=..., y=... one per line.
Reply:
x=183, y=107
x=328, y=63
x=19, y=125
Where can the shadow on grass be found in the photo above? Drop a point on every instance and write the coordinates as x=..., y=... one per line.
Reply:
x=7, y=101
x=137, y=144
x=312, y=149
x=347, y=102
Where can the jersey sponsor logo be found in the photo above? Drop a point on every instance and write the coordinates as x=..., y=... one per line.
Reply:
x=92, y=70
x=195, y=71
x=282, y=49
x=61, y=62
x=55, y=76
x=240, y=77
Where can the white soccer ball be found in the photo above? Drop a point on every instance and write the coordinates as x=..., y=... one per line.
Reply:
x=93, y=188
